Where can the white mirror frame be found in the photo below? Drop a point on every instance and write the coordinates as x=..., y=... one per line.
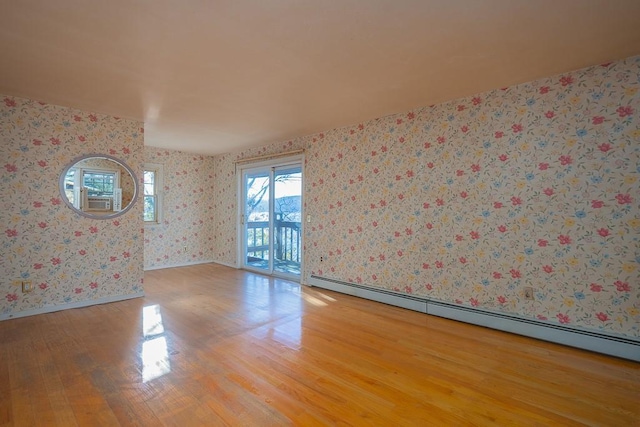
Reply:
x=88, y=214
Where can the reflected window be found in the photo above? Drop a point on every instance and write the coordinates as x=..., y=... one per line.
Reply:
x=152, y=321
x=93, y=189
x=98, y=186
x=99, y=183
x=155, y=359
x=155, y=356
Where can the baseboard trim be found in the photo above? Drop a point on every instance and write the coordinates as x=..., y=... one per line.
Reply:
x=613, y=345
x=79, y=304
x=182, y=264
x=379, y=295
x=226, y=264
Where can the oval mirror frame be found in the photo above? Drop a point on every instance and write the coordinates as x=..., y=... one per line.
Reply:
x=98, y=213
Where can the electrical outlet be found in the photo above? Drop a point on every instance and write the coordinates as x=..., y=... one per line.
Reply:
x=321, y=259
x=528, y=293
x=27, y=286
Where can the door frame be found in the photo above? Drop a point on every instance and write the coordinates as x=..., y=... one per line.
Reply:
x=270, y=163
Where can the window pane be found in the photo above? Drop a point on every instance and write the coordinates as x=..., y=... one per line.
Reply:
x=99, y=184
x=149, y=208
x=69, y=183
x=148, y=189
x=151, y=184
x=149, y=177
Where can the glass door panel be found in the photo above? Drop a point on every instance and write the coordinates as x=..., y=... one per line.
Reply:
x=287, y=219
x=272, y=219
x=257, y=219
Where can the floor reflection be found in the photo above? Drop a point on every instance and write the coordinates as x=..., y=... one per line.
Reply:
x=152, y=321
x=274, y=307
x=288, y=333
x=266, y=299
x=155, y=357
x=313, y=300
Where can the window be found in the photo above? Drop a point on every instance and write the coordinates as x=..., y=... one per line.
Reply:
x=93, y=189
x=152, y=185
x=99, y=183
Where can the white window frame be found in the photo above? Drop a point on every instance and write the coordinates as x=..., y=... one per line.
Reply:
x=278, y=161
x=80, y=199
x=158, y=170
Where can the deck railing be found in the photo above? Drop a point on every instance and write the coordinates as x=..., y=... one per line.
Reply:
x=258, y=240
x=286, y=240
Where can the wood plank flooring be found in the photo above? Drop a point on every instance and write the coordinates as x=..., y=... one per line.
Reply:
x=229, y=347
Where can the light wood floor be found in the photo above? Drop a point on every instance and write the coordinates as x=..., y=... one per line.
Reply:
x=228, y=347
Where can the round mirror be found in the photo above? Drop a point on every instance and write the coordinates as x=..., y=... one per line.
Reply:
x=98, y=186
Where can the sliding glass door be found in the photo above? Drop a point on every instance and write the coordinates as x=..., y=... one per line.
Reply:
x=287, y=219
x=272, y=219
x=257, y=219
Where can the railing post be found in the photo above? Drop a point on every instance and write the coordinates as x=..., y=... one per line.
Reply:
x=278, y=237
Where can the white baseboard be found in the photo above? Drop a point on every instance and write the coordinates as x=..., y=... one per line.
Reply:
x=79, y=304
x=227, y=264
x=182, y=264
x=614, y=345
x=386, y=297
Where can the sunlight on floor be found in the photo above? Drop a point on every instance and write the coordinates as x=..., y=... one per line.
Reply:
x=327, y=297
x=152, y=321
x=313, y=300
x=155, y=357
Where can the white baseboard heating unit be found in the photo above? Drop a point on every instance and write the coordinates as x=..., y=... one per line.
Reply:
x=614, y=345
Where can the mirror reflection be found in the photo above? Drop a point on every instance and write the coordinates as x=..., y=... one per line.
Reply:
x=98, y=186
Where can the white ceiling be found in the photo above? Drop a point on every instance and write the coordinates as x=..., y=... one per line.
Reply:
x=219, y=75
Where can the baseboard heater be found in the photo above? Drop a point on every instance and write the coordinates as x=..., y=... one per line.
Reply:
x=613, y=345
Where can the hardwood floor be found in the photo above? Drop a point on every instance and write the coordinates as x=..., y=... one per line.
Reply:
x=228, y=347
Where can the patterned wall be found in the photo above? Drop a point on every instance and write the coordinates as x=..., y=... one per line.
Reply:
x=188, y=219
x=473, y=200
x=68, y=258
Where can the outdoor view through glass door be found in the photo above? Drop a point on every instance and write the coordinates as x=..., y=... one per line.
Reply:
x=273, y=219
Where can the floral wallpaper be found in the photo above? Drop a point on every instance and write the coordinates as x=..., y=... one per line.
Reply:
x=68, y=258
x=188, y=211
x=470, y=201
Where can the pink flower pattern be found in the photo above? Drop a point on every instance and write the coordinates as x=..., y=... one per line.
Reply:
x=188, y=212
x=506, y=143
x=555, y=163
x=43, y=240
